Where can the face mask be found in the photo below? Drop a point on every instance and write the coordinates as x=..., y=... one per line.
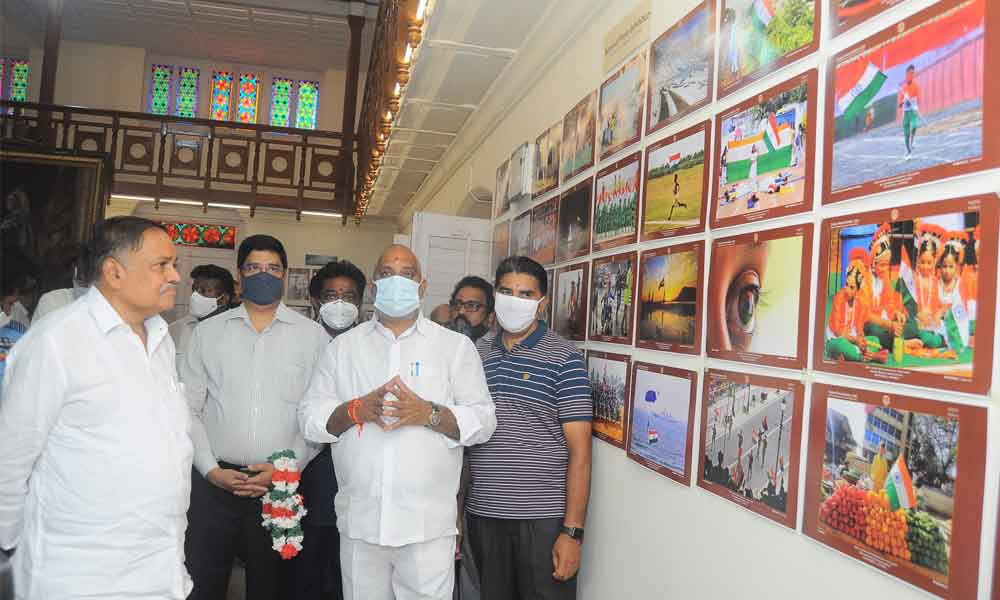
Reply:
x=397, y=296
x=202, y=306
x=339, y=314
x=262, y=288
x=515, y=314
x=462, y=325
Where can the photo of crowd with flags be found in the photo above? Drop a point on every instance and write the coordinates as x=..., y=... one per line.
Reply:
x=913, y=101
x=608, y=384
x=761, y=162
x=904, y=294
x=757, y=34
x=889, y=482
x=616, y=203
x=611, y=296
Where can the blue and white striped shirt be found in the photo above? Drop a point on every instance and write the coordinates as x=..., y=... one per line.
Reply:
x=537, y=386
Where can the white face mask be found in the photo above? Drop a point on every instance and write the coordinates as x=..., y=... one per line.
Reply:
x=339, y=314
x=515, y=314
x=202, y=306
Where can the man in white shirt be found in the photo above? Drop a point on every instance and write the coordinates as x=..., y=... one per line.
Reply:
x=212, y=289
x=95, y=448
x=398, y=397
x=244, y=374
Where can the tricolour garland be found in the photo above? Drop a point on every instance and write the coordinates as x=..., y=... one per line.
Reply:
x=282, y=508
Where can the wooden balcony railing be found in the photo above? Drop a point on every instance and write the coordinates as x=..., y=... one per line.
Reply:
x=194, y=159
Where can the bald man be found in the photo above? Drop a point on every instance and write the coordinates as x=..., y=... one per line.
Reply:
x=397, y=398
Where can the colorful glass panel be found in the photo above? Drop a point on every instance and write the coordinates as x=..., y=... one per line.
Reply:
x=19, y=72
x=305, y=115
x=186, y=96
x=3, y=79
x=281, y=102
x=159, y=89
x=222, y=94
x=246, y=106
x=204, y=236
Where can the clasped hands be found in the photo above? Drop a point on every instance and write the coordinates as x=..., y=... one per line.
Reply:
x=241, y=484
x=407, y=408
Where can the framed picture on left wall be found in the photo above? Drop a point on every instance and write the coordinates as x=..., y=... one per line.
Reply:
x=297, y=285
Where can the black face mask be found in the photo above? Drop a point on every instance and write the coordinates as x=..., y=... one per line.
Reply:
x=462, y=325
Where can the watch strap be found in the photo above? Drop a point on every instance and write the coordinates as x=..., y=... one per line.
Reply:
x=574, y=532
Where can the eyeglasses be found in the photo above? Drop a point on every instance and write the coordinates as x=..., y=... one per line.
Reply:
x=254, y=268
x=468, y=306
x=333, y=295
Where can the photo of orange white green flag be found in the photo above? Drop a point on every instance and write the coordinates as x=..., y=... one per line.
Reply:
x=899, y=486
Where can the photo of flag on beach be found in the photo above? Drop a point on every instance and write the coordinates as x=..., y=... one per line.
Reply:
x=909, y=100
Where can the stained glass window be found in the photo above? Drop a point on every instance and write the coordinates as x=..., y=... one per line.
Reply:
x=197, y=234
x=246, y=107
x=159, y=89
x=3, y=77
x=19, y=72
x=186, y=96
x=305, y=115
x=222, y=93
x=281, y=102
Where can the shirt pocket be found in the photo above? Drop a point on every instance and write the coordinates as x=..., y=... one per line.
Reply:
x=430, y=381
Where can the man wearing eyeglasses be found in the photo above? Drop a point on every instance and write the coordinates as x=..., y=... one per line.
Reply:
x=398, y=397
x=245, y=372
x=472, y=307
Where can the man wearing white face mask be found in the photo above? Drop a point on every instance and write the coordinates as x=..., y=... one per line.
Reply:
x=212, y=291
x=398, y=397
x=335, y=292
x=528, y=500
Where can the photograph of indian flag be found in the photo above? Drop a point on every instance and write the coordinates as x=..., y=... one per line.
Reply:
x=889, y=479
x=911, y=101
x=756, y=34
x=762, y=154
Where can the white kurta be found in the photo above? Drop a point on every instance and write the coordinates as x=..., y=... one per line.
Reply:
x=95, y=459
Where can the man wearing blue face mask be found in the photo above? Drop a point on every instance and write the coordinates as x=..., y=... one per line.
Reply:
x=244, y=372
x=398, y=397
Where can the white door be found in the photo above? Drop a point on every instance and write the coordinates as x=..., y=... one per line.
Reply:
x=450, y=248
x=189, y=257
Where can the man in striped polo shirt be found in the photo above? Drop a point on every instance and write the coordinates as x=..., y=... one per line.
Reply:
x=531, y=480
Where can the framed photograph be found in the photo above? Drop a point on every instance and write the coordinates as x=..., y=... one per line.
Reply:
x=319, y=260
x=574, y=221
x=911, y=104
x=520, y=173
x=671, y=298
x=848, y=13
x=610, y=385
x=681, y=68
x=622, y=98
x=661, y=431
x=896, y=482
x=501, y=201
x=751, y=428
x=297, y=285
x=761, y=36
x=547, y=148
x=764, y=154
x=570, y=300
x=578, y=136
x=900, y=299
x=758, y=297
x=501, y=245
x=675, y=189
x=612, y=291
x=616, y=203
x=543, y=231
x=520, y=234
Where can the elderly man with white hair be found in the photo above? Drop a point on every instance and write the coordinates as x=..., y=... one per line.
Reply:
x=398, y=398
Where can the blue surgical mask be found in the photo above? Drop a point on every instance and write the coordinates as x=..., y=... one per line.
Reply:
x=397, y=296
x=263, y=288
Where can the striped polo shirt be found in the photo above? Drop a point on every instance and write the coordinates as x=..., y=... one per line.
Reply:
x=520, y=473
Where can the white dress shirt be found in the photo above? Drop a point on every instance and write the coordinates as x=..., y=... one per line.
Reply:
x=51, y=302
x=244, y=387
x=95, y=459
x=400, y=487
x=181, y=331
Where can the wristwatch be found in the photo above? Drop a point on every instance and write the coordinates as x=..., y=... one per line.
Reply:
x=574, y=532
x=435, y=419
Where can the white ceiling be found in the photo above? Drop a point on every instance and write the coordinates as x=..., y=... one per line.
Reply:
x=467, y=46
x=301, y=34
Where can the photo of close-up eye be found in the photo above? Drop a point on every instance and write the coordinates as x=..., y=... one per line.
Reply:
x=742, y=300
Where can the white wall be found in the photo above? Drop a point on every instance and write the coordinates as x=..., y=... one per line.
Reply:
x=648, y=537
x=93, y=75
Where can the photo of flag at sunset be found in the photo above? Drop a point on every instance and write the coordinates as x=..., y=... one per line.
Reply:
x=912, y=100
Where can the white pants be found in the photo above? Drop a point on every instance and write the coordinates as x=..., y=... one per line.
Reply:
x=423, y=571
